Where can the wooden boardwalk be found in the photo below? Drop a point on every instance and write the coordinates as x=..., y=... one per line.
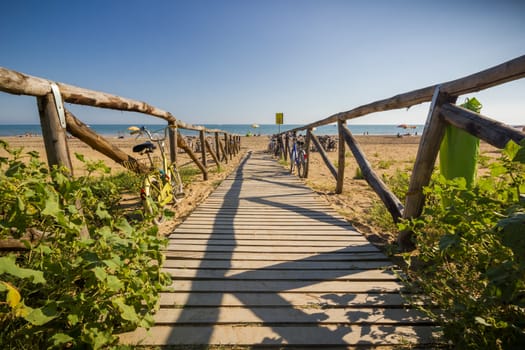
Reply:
x=264, y=262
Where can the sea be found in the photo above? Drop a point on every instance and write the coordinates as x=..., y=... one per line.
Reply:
x=239, y=129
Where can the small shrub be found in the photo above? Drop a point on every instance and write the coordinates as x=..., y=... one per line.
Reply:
x=88, y=276
x=470, y=257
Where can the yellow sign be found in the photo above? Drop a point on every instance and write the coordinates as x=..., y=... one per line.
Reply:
x=279, y=117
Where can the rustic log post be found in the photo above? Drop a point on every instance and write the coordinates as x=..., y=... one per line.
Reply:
x=204, y=162
x=284, y=142
x=287, y=148
x=341, y=157
x=223, y=151
x=391, y=202
x=323, y=154
x=213, y=155
x=80, y=130
x=491, y=131
x=173, y=141
x=217, y=147
x=226, y=147
x=230, y=146
x=234, y=144
x=425, y=160
x=307, y=146
x=55, y=138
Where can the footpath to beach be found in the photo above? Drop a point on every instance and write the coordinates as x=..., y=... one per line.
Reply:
x=263, y=261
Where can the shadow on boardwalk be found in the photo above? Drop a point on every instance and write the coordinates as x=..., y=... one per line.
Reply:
x=260, y=281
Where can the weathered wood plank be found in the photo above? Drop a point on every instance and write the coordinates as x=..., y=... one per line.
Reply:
x=243, y=256
x=277, y=336
x=280, y=236
x=266, y=242
x=267, y=232
x=356, y=247
x=279, y=315
x=297, y=275
x=276, y=264
x=284, y=299
x=224, y=285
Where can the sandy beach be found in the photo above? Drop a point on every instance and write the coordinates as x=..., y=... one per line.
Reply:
x=386, y=154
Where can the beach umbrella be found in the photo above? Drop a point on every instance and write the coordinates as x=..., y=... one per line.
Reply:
x=406, y=126
x=255, y=126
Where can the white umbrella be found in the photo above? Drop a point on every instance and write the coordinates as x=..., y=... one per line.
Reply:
x=255, y=126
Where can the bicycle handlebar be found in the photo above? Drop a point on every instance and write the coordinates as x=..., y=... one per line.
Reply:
x=143, y=130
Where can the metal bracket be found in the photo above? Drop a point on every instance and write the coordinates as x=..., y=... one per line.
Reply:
x=59, y=104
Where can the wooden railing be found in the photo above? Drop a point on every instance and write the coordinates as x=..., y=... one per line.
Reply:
x=55, y=120
x=442, y=111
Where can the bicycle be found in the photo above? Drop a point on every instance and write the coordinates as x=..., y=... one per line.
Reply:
x=163, y=184
x=276, y=146
x=298, y=158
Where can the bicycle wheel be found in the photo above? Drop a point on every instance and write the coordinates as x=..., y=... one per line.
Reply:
x=176, y=185
x=301, y=168
x=151, y=198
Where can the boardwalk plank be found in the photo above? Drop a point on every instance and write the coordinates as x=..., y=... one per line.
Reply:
x=263, y=262
x=297, y=275
x=280, y=315
x=282, y=299
x=275, y=264
x=312, y=336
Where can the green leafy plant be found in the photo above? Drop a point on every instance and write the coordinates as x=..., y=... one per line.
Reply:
x=88, y=274
x=470, y=263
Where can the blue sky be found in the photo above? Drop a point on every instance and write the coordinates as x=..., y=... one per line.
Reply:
x=241, y=61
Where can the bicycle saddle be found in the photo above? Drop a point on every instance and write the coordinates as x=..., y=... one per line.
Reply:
x=147, y=147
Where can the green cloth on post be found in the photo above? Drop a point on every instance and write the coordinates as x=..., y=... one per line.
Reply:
x=458, y=155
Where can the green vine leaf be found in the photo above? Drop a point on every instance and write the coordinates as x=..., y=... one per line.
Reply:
x=9, y=266
x=41, y=316
x=127, y=312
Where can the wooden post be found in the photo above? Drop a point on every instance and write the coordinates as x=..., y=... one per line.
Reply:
x=223, y=151
x=203, y=154
x=424, y=164
x=323, y=154
x=307, y=146
x=213, y=155
x=55, y=138
x=391, y=202
x=287, y=148
x=226, y=147
x=230, y=146
x=217, y=147
x=341, y=157
x=173, y=141
x=284, y=154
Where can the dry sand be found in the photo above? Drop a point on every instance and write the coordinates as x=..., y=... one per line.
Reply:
x=386, y=154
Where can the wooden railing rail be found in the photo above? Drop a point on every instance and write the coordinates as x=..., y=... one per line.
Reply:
x=500, y=74
x=55, y=138
x=442, y=112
